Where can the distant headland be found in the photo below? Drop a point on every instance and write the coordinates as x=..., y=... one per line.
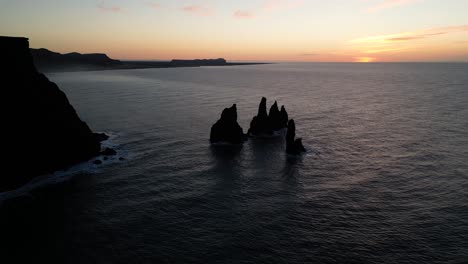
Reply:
x=45, y=59
x=50, y=61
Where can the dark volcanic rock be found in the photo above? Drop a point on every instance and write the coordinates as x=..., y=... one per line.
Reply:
x=274, y=116
x=101, y=137
x=109, y=152
x=293, y=146
x=262, y=109
x=260, y=124
x=283, y=117
x=278, y=119
x=266, y=124
x=38, y=119
x=45, y=59
x=226, y=129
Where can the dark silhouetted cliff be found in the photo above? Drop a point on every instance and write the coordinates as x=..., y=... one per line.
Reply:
x=42, y=131
x=50, y=61
x=45, y=59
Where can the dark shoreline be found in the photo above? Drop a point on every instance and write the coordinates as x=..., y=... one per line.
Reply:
x=50, y=61
x=134, y=65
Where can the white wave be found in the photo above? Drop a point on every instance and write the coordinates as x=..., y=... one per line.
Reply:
x=60, y=176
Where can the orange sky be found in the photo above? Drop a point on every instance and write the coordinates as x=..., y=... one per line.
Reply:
x=267, y=30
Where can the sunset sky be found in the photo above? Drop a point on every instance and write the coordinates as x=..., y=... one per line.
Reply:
x=271, y=30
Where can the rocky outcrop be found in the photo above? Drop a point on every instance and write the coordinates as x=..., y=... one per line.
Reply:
x=283, y=117
x=260, y=124
x=226, y=129
x=278, y=119
x=43, y=132
x=264, y=124
x=293, y=146
x=46, y=60
x=109, y=152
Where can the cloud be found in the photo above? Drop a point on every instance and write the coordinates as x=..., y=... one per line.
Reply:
x=416, y=36
x=400, y=41
x=408, y=36
x=308, y=54
x=270, y=6
x=102, y=7
x=383, y=50
x=386, y=4
x=243, y=14
x=197, y=10
x=282, y=5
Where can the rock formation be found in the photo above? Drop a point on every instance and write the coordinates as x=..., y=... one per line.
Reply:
x=264, y=124
x=43, y=133
x=283, y=117
x=46, y=60
x=275, y=118
x=260, y=124
x=293, y=146
x=278, y=119
x=226, y=129
x=109, y=152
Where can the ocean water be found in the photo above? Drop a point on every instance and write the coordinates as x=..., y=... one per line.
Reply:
x=385, y=178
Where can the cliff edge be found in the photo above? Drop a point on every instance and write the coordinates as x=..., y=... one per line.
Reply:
x=42, y=131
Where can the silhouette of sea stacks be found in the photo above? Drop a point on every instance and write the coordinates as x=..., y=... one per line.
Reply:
x=264, y=124
x=226, y=129
x=293, y=146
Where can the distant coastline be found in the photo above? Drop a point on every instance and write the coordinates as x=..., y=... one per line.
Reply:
x=49, y=61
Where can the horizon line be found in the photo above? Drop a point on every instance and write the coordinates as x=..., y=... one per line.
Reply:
x=287, y=61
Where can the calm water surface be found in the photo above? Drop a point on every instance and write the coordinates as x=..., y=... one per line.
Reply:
x=385, y=179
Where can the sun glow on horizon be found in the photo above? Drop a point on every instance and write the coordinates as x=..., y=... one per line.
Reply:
x=246, y=30
x=364, y=59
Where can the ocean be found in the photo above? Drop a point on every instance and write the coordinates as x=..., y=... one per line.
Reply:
x=384, y=179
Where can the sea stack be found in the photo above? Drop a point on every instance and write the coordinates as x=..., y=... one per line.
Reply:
x=264, y=124
x=283, y=117
x=226, y=129
x=293, y=146
x=43, y=131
